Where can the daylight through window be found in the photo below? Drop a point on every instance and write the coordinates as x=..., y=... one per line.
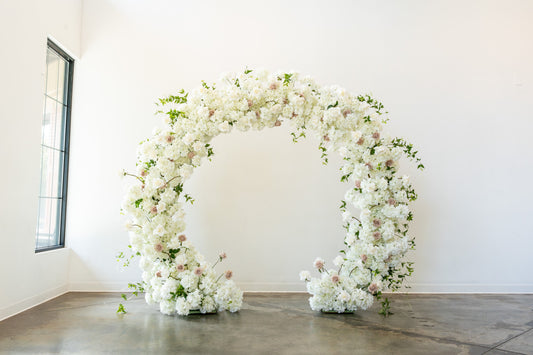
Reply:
x=54, y=149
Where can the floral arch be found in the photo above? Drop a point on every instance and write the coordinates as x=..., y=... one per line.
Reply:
x=178, y=278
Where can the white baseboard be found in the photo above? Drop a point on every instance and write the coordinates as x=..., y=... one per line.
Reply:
x=300, y=287
x=272, y=286
x=32, y=301
x=469, y=288
x=95, y=286
x=245, y=286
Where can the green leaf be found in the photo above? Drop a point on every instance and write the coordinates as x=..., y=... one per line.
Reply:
x=287, y=79
x=121, y=309
x=296, y=137
x=149, y=164
x=189, y=199
x=174, y=115
x=210, y=152
x=124, y=296
x=334, y=105
x=343, y=205
x=178, y=99
x=173, y=252
x=138, y=203
x=140, y=287
x=385, y=308
x=178, y=189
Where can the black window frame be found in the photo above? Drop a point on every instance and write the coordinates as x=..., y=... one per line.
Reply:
x=69, y=81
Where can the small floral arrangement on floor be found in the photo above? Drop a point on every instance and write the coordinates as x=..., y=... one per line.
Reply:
x=178, y=278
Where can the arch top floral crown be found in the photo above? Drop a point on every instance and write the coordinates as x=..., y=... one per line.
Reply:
x=177, y=277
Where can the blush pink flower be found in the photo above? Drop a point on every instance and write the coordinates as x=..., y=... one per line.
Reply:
x=158, y=274
x=326, y=138
x=377, y=235
x=198, y=271
x=182, y=238
x=346, y=112
x=335, y=279
x=389, y=163
x=358, y=184
x=211, y=113
x=361, y=141
x=376, y=223
x=222, y=256
x=375, y=135
x=277, y=123
x=158, y=247
x=273, y=86
x=228, y=274
x=169, y=138
x=180, y=267
x=153, y=209
x=250, y=103
x=191, y=155
x=373, y=287
x=392, y=202
x=319, y=263
x=364, y=258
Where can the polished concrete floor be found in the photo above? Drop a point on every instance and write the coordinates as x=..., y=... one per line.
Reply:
x=86, y=323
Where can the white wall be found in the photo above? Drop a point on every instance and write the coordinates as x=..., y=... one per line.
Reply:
x=455, y=76
x=27, y=278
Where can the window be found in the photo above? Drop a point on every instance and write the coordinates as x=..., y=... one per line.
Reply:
x=50, y=232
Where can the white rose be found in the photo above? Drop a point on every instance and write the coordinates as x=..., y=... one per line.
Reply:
x=338, y=261
x=305, y=275
x=188, y=139
x=186, y=171
x=159, y=230
x=224, y=127
x=344, y=296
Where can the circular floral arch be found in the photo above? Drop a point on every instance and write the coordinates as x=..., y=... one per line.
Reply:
x=177, y=277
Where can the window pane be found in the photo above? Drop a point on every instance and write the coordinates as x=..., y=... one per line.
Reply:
x=50, y=122
x=43, y=227
x=61, y=80
x=54, y=221
x=51, y=173
x=59, y=139
x=48, y=230
x=45, y=161
x=52, y=68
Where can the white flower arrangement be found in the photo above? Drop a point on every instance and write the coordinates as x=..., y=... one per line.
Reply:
x=176, y=276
